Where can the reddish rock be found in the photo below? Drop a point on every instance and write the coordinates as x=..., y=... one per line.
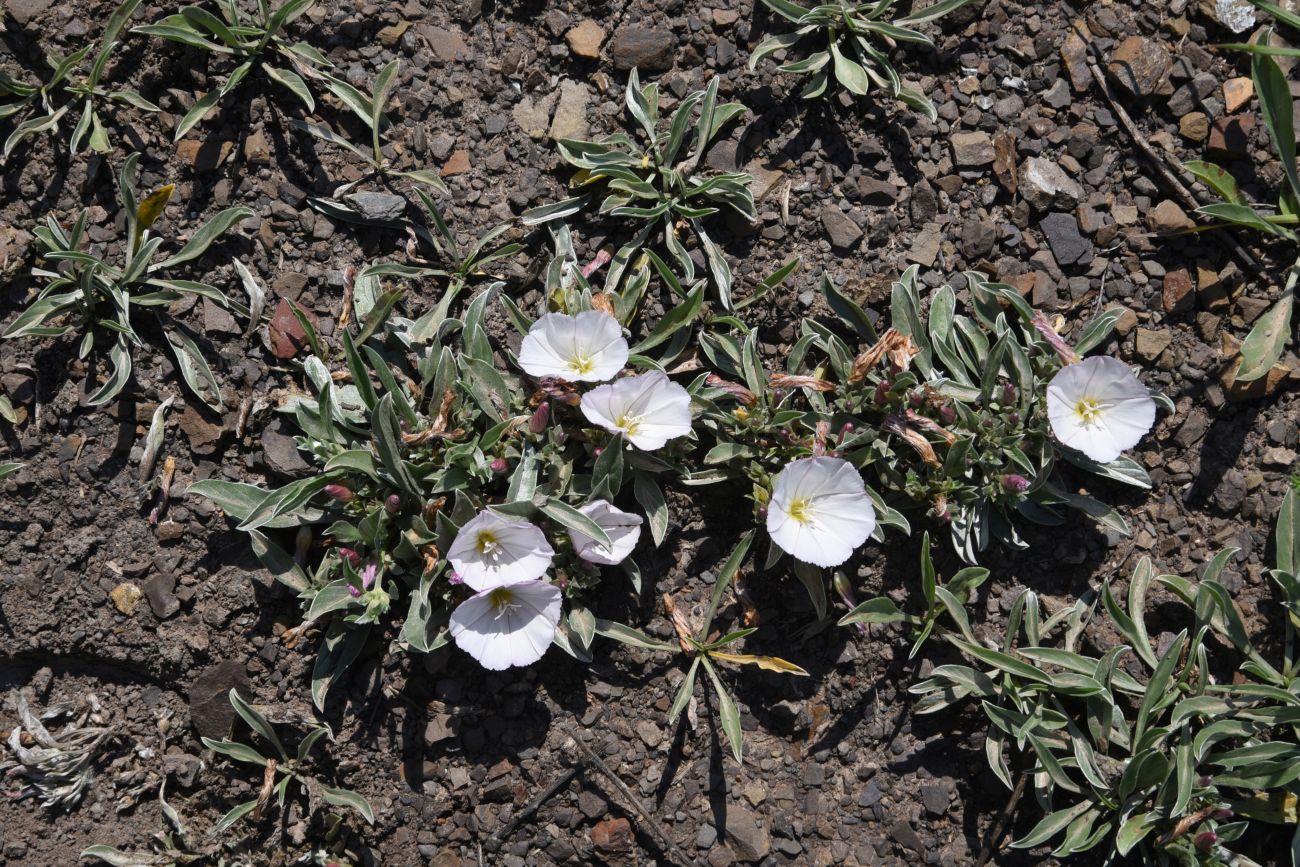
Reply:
x=287, y=335
x=1237, y=92
x=1177, y=291
x=1230, y=137
x=1004, y=161
x=1074, y=53
x=1142, y=65
x=613, y=836
x=457, y=165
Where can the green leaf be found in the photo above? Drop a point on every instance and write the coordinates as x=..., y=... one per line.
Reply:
x=339, y=649
x=849, y=72
x=348, y=798
x=1275, y=106
x=651, y=497
x=878, y=610
x=684, y=692
x=1267, y=339
x=120, y=358
x=1218, y=180
x=566, y=516
x=632, y=637
x=237, y=751
x=724, y=578
x=205, y=236
x=728, y=713
x=257, y=722
x=9, y=469
x=194, y=369
x=227, y=821
x=293, y=81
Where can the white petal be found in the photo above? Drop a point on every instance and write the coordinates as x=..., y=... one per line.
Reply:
x=588, y=347
x=623, y=529
x=519, y=635
x=660, y=408
x=1125, y=410
x=523, y=555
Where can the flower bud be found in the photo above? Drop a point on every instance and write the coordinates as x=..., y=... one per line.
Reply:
x=916, y=399
x=598, y=451
x=1015, y=483
x=987, y=423
x=342, y=493
x=541, y=416
x=947, y=413
x=846, y=429
x=1013, y=419
x=1205, y=840
x=454, y=579
x=393, y=504
x=1223, y=814
x=882, y=393
x=353, y=558
x=762, y=512
x=1008, y=394
x=500, y=466
x=301, y=545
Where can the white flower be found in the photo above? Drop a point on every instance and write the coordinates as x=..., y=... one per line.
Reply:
x=649, y=409
x=492, y=551
x=820, y=512
x=622, y=528
x=1099, y=407
x=509, y=625
x=588, y=347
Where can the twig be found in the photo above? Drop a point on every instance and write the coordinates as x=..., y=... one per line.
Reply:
x=642, y=814
x=995, y=836
x=499, y=836
x=1157, y=162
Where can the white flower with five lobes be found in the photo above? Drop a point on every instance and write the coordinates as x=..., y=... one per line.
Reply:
x=1099, y=407
x=622, y=528
x=588, y=347
x=648, y=410
x=509, y=625
x=492, y=551
x=820, y=512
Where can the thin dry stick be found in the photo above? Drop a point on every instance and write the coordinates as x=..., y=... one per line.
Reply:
x=1158, y=162
x=642, y=814
x=499, y=836
x=995, y=836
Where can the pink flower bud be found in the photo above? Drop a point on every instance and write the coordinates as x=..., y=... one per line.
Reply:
x=541, y=416
x=598, y=451
x=1015, y=483
x=1223, y=814
x=947, y=413
x=882, y=393
x=342, y=493
x=916, y=399
x=500, y=466
x=1008, y=394
x=1205, y=840
x=353, y=558
x=454, y=579
x=393, y=504
x=847, y=429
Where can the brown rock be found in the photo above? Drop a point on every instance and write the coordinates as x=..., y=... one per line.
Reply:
x=1004, y=161
x=458, y=164
x=1167, y=217
x=1230, y=137
x=613, y=836
x=126, y=596
x=1194, y=126
x=1152, y=342
x=1142, y=66
x=1237, y=92
x=972, y=148
x=1023, y=283
x=1211, y=289
x=287, y=335
x=1126, y=322
x=1074, y=53
x=392, y=34
x=257, y=151
x=585, y=39
x=1176, y=292
x=203, y=434
x=204, y=156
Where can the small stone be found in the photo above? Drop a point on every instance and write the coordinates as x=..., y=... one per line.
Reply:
x=532, y=116
x=281, y=454
x=843, y=232
x=447, y=45
x=170, y=531
x=646, y=49
x=571, y=114
x=1194, y=126
x=649, y=733
x=1151, y=343
x=439, y=728
x=1177, y=291
x=750, y=840
x=1004, y=160
x=204, y=156
x=978, y=238
x=585, y=39
x=1058, y=95
x=391, y=35
x=217, y=319
x=765, y=178
x=1230, y=137
x=1069, y=247
x=24, y=11
x=257, y=151
x=972, y=149
x=209, y=698
x=126, y=598
x=1074, y=53
x=287, y=335
x=1167, y=218
x=1236, y=15
x=161, y=590
x=613, y=836
x=1126, y=322
x=1264, y=386
x=1236, y=93
x=925, y=247
x=457, y=165
x=1278, y=457
x=1142, y=66
x=202, y=434
x=383, y=207
x=1045, y=185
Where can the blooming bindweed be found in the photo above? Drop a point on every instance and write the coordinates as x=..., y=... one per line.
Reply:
x=588, y=347
x=648, y=410
x=507, y=625
x=622, y=528
x=491, y=551
x=820, y=512
x=1099, y=407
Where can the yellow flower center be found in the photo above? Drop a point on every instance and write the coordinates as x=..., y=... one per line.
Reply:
x=1088, y=409
x=488, y=545
x=581, y=365
x=801, y=510
x=502, y=600
x=628, y=424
